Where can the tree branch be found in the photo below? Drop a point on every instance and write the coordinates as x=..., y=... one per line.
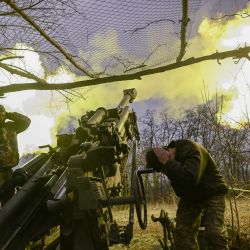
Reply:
x=22, y=8
x=11, y=57
x=184, y=23
x=242, y=15
x=21, y=72
x=235, y=54
x=46, y=36
x=147, y=25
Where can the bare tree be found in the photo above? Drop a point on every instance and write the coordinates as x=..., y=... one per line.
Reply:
x=230, y=147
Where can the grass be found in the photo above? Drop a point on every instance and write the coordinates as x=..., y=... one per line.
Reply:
x=148, y=239
x=243, y=209
x=144, y=239
x=241, y=223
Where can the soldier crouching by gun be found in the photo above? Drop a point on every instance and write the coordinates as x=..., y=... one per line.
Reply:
x=9, y=156
x=196, y=179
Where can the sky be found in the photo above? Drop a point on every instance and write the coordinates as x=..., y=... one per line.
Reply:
x=176, y=90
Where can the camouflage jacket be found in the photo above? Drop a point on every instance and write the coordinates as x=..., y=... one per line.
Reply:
x=193, y=173
x=9, y=156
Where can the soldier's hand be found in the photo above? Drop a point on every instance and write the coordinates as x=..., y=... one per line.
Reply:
x=152, y=161
x=162, y=155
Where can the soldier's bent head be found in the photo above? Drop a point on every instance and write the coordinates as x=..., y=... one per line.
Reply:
x=152, y=161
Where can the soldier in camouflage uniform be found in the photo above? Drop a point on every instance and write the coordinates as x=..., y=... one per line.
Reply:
x=196, y=179
x=9, y=156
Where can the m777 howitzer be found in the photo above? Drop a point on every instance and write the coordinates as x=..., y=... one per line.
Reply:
x=75, y=190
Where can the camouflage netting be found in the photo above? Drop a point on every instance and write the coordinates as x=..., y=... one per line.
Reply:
x=102, y=38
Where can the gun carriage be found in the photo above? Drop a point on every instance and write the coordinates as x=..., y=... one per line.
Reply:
x=75, y=186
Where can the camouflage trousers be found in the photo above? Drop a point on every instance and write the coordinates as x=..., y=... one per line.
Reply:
x=188, y=220
x=5, y=176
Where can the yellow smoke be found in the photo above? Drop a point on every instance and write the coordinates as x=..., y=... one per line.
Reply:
x=182, y=88
x=225, y=36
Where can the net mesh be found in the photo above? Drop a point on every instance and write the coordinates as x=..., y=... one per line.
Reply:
x=107, y=37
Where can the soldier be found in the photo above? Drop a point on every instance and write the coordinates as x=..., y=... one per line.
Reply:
x=196, y=179
x=9, y=156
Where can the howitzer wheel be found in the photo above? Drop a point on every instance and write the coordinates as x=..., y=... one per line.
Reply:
x=140, y=200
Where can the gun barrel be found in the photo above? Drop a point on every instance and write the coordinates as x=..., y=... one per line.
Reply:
x=22, y=174
x=35, y=163
x=129, y=96
x=100, y=114
x=123, y=118
x=18, y=202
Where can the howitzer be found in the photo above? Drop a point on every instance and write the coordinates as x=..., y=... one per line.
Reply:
x=75, y=190
x=168, y=228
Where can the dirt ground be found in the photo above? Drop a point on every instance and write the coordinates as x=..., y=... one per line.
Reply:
x=144, y=239
x=148, y=239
